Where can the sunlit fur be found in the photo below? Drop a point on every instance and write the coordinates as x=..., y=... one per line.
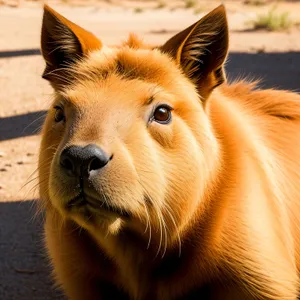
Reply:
x=213, y=196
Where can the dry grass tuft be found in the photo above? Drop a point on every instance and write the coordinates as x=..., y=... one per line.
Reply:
x=190, y=3
x=161, y=4
x=255, y=2
x=138, y=10
x=273, y=21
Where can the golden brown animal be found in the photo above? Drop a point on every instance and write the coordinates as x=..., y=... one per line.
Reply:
x=160, y=180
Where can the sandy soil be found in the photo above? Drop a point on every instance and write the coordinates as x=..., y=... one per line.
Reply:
x=24, y=98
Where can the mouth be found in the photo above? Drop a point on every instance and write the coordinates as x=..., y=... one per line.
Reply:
x=97, y=205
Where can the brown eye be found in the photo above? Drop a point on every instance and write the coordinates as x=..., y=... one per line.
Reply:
x=162, y=114
x=59, y=114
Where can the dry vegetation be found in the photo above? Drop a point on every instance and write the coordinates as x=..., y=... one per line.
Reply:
x=190, y=3
x=255, y=2
x=273, y=21
x=161, y=4
x=138, y=10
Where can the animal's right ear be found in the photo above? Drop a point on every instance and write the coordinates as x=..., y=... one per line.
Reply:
x=62, y=44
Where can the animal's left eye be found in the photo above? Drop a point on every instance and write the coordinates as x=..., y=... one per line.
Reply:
x=59, y=114
x=162, y=114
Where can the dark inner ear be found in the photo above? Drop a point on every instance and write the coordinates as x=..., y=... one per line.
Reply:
x=205, y=53
x=60, y=46
x=57, y=55
x=201, y=50
x=172, y=45
x=63, y=43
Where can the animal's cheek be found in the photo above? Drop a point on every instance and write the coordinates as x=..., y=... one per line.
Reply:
x=52, y=134
x=162, y=134
x=49, y=148
x=142, y=158
x=49, y=144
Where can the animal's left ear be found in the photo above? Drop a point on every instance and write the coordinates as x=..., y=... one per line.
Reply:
x=201, y=50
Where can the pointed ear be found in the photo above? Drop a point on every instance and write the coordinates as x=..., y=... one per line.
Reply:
x=201, y=50
x=62, y=44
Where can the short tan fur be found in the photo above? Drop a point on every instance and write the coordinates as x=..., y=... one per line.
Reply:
x=200, y=196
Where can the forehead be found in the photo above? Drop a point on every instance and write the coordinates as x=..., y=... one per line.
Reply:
x=116, y=72
x=144, y=64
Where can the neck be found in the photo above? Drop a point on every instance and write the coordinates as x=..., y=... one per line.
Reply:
x=142, y=267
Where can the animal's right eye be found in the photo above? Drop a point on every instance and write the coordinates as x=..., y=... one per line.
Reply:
x=59, y=114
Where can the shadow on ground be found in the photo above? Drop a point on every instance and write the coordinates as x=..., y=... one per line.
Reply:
x=21, y=125
x=15, y=53
x=277, y=70
x=25, y=273
x=23, y=268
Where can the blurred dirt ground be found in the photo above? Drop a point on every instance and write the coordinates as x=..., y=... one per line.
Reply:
x=24, y=98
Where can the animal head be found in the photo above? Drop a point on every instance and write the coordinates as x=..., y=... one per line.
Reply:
x=127, y=143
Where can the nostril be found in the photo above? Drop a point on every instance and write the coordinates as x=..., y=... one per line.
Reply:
x=96, y=164
x=71, y=160
x=67, y=163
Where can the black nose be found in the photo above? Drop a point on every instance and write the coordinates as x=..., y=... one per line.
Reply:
x=80, y=161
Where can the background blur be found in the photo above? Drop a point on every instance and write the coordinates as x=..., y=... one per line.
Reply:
x=265, y=44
